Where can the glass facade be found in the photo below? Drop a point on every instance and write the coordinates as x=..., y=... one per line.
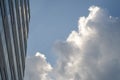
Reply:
x=14, y=24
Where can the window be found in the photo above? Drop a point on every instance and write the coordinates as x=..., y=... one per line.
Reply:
x=12, y=74
x=0, y=75
x=5, y=74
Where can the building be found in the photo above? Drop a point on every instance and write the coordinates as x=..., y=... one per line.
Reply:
x=14, y=22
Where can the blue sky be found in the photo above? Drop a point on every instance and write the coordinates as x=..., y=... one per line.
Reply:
x=82, y=45
x=53, y=20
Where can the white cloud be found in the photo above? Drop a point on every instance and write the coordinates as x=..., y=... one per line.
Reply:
x=91, y=53
x=37, y=68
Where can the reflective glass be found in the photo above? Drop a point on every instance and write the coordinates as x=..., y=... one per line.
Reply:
x=0, y=75
x=10, y=38
x=2, y=37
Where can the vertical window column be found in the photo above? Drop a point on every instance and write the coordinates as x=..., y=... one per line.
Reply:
x=0, y=75
x=4, y=62
x=9, y=36
x=23, y=18
x=16, y=38
x=20, y=31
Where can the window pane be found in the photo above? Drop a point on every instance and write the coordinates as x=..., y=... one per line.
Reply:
x=0, y=75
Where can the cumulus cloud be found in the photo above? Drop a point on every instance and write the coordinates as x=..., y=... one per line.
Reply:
x=37, y=68
x=91, y=53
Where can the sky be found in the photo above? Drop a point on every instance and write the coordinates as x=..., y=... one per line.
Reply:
x=53, y=20
x=71, y=40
